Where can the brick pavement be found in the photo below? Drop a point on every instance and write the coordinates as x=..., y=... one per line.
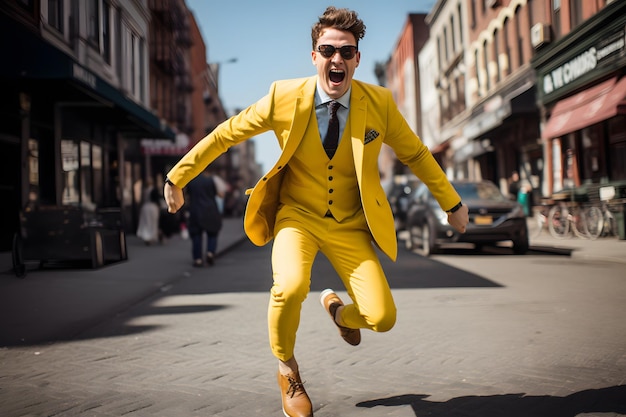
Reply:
x=196, y=346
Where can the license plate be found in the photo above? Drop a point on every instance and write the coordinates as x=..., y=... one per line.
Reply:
x=483, y=220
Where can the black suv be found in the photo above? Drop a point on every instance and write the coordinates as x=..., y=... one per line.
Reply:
x=493, y=218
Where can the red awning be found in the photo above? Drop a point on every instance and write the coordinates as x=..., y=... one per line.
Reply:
x=586, y=108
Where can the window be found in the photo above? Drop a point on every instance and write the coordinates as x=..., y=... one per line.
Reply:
x=133, y=51
x=55, y=14
x=460, y=19
x=106, y=32
x=33, y=164
x=486, y=65
x=93, y=22
x=445, y=45
x=69, y=163
x=473, y=14
x=496, y=53
x=452, y=34
x=439, y=52
x=86, y=184
x=518, y=36
x=506, y=47
x=477, y=64
x=556, y=18
x=576, y=13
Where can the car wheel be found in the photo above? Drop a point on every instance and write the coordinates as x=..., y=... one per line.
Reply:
x=521, y=245
x=427, y=241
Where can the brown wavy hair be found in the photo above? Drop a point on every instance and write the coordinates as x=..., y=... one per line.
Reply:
x=342, y=19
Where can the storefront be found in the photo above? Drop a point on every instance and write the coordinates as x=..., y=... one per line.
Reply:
x=503, y=134
x=64, y=132
x=581, y=87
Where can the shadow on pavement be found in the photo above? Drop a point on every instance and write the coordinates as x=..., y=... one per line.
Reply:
x=603, y=400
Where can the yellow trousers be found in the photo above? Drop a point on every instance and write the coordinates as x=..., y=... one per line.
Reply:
x=348, y=246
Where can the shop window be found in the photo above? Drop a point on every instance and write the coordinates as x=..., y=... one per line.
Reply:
x=86, y=184
x=617, y=148
x=97, y=174
x=70, y=165
x=33, y=163
x=593, y=164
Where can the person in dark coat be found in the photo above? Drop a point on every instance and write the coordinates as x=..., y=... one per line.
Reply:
x=205, y=217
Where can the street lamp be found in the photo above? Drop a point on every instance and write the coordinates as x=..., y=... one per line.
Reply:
x=214, y=68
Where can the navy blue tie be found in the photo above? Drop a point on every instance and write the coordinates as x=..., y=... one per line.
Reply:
x=331, y=140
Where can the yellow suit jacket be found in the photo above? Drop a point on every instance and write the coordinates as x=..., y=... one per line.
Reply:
x=286, y=109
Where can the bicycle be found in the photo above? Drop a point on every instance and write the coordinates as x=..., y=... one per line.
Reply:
x=569, y=216
x=609, y=224
x=541, y=217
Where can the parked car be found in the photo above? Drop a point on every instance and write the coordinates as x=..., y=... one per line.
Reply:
x=399, y=197
x=493, y=218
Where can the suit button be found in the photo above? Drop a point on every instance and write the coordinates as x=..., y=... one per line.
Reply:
x=331, y=190
x=330, y=202
x=330, y=178
x=330, y=167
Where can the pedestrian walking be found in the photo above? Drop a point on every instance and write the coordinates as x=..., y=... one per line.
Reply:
x=148, y=225
x=324, y=193
x=205, y=218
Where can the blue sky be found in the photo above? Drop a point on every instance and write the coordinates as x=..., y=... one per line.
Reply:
x=271, y=40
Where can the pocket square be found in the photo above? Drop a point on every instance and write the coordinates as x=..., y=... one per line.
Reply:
x=370, y=136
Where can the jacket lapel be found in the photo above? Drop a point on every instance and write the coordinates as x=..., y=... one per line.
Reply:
x=358, y=113
x=302, y=112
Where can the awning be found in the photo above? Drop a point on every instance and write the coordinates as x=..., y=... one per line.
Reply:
x=587, y=108
x=37, y=62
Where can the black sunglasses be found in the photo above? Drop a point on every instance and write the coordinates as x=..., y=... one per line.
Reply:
x=346, y=51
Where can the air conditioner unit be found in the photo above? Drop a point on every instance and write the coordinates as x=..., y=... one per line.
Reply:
x=539, y=34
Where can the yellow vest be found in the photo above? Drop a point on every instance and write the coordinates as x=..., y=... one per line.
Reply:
x=316, y=184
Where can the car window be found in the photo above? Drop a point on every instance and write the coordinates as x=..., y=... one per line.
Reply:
x=479, y=191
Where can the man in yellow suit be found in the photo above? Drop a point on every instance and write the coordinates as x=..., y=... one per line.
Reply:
x=323, y=196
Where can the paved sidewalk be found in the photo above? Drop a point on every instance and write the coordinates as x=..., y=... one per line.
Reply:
x=40, y=300
x=604, y=249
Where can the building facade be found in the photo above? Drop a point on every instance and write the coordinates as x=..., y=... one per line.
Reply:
x=402, y=77
x=75, y=96
x=448, y=33
x=581, y=93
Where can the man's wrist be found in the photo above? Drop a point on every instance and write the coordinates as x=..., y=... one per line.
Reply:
x=168, y=181
x=455, y=208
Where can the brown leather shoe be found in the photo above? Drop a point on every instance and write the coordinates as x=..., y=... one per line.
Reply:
x=296, y=402
x=331, y=301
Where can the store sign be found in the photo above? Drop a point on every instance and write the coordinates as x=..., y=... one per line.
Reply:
x=584, y=63
x=83, y=75
x=166, y=147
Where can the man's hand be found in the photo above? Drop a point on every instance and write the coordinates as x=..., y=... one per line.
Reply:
x=459, y=219
x=173, y=197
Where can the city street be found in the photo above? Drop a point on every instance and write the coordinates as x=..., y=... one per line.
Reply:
x=484, y=334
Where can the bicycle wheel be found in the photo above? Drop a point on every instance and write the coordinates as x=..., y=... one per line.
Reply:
x=540, y=219
x=594, y=221
x=558, y=222
x=579, y=223
x=609, y=224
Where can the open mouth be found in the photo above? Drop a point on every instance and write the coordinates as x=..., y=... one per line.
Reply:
x=336, y=76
